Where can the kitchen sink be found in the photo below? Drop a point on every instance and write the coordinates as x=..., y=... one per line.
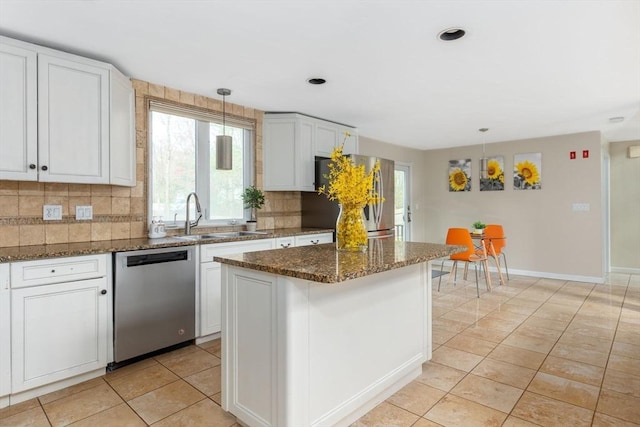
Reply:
x=221, y=235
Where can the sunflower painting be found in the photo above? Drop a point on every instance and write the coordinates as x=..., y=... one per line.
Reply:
x=495, y=174
x=527, y=171
x=460, y=175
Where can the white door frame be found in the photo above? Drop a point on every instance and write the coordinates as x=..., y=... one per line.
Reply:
x=406, y=169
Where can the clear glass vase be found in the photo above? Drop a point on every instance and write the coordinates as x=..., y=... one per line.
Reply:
x=351, y=233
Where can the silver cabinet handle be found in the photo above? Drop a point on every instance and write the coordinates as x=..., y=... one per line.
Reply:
x=315, y=242
x=285, y=246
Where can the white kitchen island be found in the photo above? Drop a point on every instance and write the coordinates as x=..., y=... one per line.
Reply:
x=316, y=337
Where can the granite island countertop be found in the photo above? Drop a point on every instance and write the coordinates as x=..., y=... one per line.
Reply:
x=325, y=264
x=28, y=253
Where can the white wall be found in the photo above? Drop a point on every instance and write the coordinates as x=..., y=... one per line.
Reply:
x=545, y=236
x=625, y=208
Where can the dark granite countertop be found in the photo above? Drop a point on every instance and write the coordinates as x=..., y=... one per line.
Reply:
x=323, y=263
x=26, y=253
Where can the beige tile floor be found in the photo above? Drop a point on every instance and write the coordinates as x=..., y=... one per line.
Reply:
x=532, y=352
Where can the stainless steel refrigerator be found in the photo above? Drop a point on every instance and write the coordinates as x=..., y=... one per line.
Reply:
x=319, y=211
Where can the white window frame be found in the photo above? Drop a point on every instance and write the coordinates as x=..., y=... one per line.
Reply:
x=202, y=158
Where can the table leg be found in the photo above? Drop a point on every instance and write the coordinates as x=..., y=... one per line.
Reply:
x=497, y=260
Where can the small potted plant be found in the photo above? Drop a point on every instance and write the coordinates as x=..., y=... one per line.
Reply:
x=478, y=227
x=253, y=199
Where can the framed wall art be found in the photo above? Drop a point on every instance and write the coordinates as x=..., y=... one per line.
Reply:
x=494, y=179
x=460, y=175
x=527, y=171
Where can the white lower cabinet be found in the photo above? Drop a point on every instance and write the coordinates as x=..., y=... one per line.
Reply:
x=58, y=330
x=5, y=336
x=210, y=280
x=209, y=319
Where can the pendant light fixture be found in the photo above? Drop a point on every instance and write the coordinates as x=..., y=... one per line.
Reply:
x=484, y=162
x=224, y=143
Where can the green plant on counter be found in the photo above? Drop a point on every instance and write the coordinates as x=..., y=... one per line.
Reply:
x=478, y=225
x=253, y=198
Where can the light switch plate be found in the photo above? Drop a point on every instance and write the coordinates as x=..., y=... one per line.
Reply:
x=84, y=213
x=581, y=207
x=52, y=212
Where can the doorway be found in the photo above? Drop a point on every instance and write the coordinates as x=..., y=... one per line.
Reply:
x=402, y=202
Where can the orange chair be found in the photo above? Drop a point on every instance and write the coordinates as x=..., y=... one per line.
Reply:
x=495, y=234
x=461, y=236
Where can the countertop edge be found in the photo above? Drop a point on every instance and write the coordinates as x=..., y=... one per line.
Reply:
x=29, y=253
x=436, y=251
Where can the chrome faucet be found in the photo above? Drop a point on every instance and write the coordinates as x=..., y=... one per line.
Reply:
x=189, y=224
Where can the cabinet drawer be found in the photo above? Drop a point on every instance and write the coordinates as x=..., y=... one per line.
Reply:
x=207, y=252
x=314, y=239
x=285, y=242
x=49, y=271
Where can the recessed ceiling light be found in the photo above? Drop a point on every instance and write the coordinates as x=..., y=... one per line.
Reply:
x=316, y=81
x=616, y=119
x=451, y=34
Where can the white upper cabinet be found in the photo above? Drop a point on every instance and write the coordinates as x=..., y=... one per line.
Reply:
x=327, y=137
x=291, y=142
x=18, y=113
x=84, y=131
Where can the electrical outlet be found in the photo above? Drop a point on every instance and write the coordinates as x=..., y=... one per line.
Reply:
x=581, y=207
x=84, y=213
x=52, y=212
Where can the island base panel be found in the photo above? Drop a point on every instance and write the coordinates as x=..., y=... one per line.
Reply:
x=299, y=353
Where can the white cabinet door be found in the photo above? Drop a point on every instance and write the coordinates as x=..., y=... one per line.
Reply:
x=210, y=279
x=18, y=113
x=279, y=154
x=327, y=138
x=58, y=331
x=73, y=121
x=122, y=145
x=288, y=153
x=331, y=135
x=305, y=162
x=210, y=298
x=5, y=335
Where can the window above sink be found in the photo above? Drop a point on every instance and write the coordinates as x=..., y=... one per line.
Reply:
x=182, y=153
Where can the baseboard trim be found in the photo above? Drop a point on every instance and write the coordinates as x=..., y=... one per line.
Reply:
x=558, y=276
x=540, y=274
x=625, y=270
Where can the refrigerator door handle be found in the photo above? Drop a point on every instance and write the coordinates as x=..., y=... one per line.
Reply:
x=378, y=187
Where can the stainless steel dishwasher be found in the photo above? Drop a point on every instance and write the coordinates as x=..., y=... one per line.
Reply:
x=154, y=300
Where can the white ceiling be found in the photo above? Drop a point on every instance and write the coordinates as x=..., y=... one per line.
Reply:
x=525, y=68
